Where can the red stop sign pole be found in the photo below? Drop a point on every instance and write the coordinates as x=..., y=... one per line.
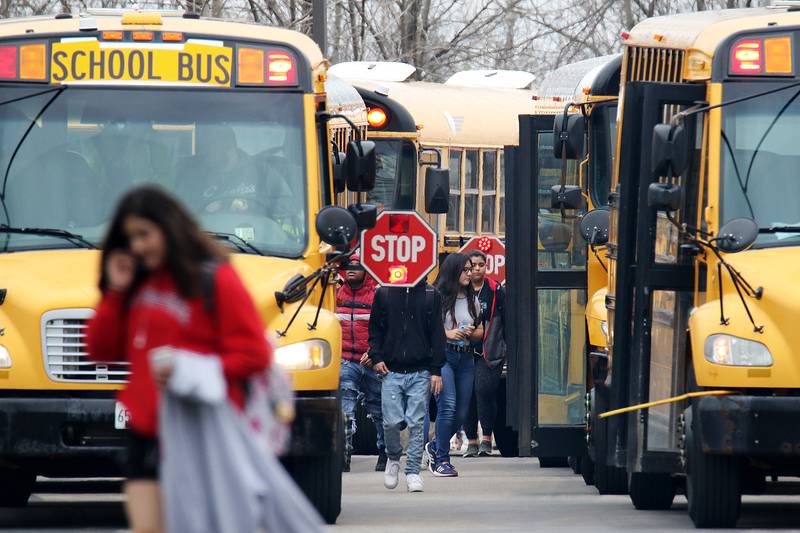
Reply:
x=495, y=252
x=401, y=250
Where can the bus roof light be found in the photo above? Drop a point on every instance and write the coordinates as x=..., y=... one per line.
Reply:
x=280, y=69
x=746, y=57
x=377, y=117
x=250, y=62
x=141, y=17
x=142, y=36
x=778, y=55
x=8, y=62
x=112, y=35
x=33, y=62
x=172, y=36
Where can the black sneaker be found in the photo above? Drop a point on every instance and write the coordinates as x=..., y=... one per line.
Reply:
x=485, y=449
x=472, y=451
x=380, y=466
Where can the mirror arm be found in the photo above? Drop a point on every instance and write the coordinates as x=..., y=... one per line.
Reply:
x=722, y=320
x=315, y=276
x=325, y=276
x=324, y=116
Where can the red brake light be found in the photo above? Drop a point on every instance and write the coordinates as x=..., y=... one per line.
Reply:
x=8, y=62
x=747, y=57
x=377, y=117
x=280, y=69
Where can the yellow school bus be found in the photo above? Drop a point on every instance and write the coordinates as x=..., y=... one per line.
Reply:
x=705, y=382
x=463, y=125
x=92, y=105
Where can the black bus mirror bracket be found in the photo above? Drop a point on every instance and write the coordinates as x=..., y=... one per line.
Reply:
x=437, y=190
x=568, y=135
x=669, y=150
x=365, y=214
x=664, y=196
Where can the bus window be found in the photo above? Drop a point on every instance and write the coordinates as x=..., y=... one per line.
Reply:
x=396, y=174
x=603, y=138
x=454, y=205
x=471, y=191
x=488, y=191
x=501, y=192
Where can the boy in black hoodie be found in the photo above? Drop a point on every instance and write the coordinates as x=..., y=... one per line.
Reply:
x=407, y=346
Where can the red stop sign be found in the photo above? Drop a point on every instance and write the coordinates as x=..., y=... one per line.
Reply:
x=400, y=250
x=495, y=252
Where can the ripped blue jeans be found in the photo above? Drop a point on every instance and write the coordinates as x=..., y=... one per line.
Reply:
x=405, y=399
x=356, y=380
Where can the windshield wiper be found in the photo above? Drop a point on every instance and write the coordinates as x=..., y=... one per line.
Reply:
x=240, y=243
x=780, y=229
x=74, y=238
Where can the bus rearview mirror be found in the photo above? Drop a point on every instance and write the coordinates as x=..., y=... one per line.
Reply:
x=437, y=190
x=568, y=135
x=594, y=227
x=669, y=150
x=365, y=214
x=336, y=226
x=339, y=180
x=361, y=167
x=664, y=196
x=737, y=235
x=568, y=197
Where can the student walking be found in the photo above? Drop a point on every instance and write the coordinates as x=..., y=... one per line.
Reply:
x=489, y=354
x=353, y=308
x=462, y=324
x=151, y=281
x=407, y=346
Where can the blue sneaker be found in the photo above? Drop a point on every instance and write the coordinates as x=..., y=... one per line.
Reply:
x=445, y=470
x=430, y=452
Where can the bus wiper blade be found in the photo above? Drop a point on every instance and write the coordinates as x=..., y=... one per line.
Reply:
x=238, y=242
x=74, y=238
x=780, y=229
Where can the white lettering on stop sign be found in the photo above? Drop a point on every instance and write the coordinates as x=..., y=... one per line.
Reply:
x=494, y=263
x=402, y=248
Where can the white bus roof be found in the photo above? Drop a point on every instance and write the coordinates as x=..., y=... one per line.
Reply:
x=498, y=79
x=373, y=70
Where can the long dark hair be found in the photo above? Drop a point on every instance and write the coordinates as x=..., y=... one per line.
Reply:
x=447, y=281
x=187, y=247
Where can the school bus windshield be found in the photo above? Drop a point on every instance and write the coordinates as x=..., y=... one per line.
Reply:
x=236, y=158
x=760, y=161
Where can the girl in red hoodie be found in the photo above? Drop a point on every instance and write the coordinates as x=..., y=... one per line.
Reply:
x=152, y=284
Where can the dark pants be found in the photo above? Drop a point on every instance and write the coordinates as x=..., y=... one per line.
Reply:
x=483, y=405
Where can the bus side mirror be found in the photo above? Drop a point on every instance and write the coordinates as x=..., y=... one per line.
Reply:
x=570, y=197
x=361, y=166
x=664, y=196
x=339, y=180
x=336, y=226
x=437, y=190
x=594, y=227
x=365, y=214
x=669, y=150
x=568, y=133
x=737, y=235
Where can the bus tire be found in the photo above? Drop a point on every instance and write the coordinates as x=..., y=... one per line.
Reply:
x=607, y=479
x=575, y=464
x=553, y=462
x=651, y=491
x=16, y=486
x=366, y=437
x=713, y=484
x=587, y=468
x=505, y=437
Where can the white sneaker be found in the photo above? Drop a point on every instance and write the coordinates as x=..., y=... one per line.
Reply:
x=426, y=459
x=390, y=475
x=414, y=483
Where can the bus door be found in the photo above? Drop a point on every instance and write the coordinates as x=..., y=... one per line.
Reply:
x=655, y=279
x=546, y=278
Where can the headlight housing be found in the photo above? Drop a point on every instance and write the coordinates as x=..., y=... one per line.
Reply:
x=5, y=358
x=307, y=355
x=728, y=350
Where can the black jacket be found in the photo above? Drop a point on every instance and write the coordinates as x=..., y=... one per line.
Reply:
x=406, y=331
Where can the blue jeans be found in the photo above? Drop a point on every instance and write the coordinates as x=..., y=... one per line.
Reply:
x=405, y=398
x=356, y=380
x=458, y=378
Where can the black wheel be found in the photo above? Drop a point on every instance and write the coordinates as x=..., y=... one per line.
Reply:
x=651, y=492
x=587, y=468
x=505, y=437
x=553, y=462
x=607, y=479
x=713, y=483
x=575, y=464
x=366, y=437
x=16, y=487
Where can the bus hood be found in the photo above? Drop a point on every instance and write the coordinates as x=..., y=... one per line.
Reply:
x=775, y=271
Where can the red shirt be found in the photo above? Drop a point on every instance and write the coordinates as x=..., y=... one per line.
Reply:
x=159, y=316
x=353, y=307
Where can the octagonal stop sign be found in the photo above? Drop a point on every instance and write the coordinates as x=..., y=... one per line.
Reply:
x=495, y=252
x=400, y=250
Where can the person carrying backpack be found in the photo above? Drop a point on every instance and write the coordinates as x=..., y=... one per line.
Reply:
x=407, y=346
x=353, y=308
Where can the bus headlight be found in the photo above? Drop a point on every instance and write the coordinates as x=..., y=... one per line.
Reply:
x=724, y=349
x=307, y=355
x=5, y=358
x=604, y=328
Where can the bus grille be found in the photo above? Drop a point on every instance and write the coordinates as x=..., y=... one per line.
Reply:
x=655, y=64
x=64, y=349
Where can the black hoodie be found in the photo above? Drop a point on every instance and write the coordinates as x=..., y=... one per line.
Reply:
x=406, y=331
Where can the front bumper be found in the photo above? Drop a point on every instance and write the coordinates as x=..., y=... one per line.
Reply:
x=750, y=425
